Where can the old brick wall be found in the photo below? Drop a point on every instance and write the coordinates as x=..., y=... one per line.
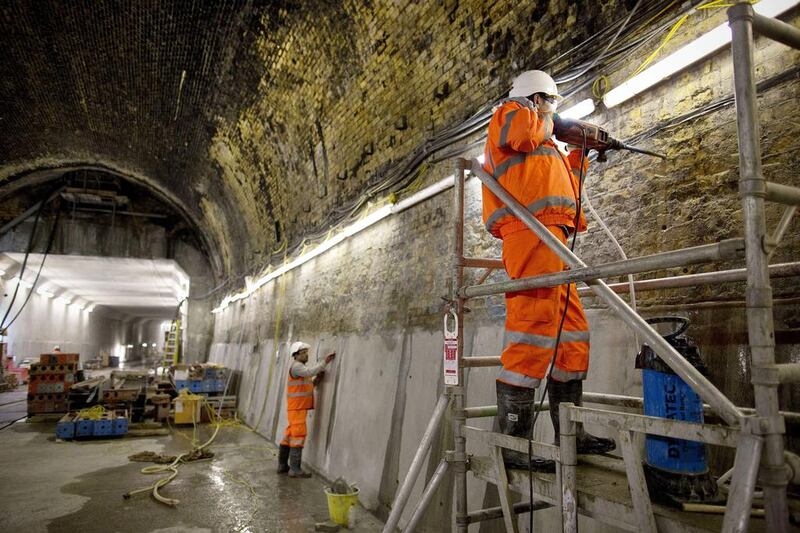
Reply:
x=261, y=121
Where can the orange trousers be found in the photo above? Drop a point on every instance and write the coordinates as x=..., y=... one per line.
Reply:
x=533, y=316
x=295, y=434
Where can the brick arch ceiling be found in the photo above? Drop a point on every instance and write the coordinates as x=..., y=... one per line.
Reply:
x=256, y=118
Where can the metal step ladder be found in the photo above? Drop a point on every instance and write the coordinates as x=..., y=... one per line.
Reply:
x=172, y=344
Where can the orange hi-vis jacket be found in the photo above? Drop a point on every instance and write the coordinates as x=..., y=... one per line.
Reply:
x=299, y=393
x=520, y=154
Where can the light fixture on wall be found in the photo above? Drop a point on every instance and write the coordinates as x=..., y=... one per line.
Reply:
x=130, y=346
x=44, y=292
x=144, y=345
x=584, y=108
x=90, y=308
x=153, y=345
x=64, y=300
x=688, y=54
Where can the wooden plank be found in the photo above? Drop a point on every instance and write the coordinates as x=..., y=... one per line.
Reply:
x=540, y=449
x=719, y=435
x=509, y=518
x=638, y=485
x=603, y=494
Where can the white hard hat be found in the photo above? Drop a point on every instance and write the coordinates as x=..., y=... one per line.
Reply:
x=297, y=346
x=533, y=81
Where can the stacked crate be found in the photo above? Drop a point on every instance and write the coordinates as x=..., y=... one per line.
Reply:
x=49, y=382
x=198, y=379
x=109, y=424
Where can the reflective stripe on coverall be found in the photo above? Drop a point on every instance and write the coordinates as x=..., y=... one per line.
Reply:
x=521, y=156
x=299, y=399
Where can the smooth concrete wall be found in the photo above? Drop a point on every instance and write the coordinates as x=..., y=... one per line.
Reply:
x=45, y=323
x=377, y=397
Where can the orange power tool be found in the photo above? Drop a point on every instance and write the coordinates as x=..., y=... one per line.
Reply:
x=572, y=131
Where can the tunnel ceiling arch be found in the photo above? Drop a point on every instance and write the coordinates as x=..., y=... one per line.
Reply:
x=263, y=119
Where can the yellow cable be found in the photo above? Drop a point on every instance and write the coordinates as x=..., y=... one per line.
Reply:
x=600, y=87
x=712, y=4
x=652, y=56
x=92, y=413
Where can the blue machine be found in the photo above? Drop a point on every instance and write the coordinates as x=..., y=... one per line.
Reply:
x=676, y=469
x=668, y=396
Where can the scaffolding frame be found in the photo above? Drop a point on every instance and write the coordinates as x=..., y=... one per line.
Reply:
x=757, y=435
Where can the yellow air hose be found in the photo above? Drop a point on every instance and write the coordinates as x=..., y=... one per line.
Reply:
x=173, y=466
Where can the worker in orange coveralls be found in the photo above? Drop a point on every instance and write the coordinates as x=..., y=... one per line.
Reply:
x=299, y=399
x=521, y=155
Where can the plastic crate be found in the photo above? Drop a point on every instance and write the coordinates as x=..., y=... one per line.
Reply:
x=181, y=384
x=65, y=428
x=103, y=427
x=195, y=386
x=208, y=385
x=84, y=428
x=219, y=385
x=119, y=425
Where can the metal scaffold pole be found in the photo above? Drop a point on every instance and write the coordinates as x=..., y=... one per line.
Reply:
x=457, y=391
x=699, y=383
x=752, y=190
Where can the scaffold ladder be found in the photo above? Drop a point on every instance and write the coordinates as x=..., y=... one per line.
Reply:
x=172, y=344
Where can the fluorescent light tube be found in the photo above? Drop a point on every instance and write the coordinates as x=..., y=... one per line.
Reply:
x=584, y=108
x=349, y=231
x=44, y=292
x=688, y=54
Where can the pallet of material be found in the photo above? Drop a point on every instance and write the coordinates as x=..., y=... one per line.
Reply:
x=120, y=395
x=47, y=403
x=110, y=424
x=59, y=358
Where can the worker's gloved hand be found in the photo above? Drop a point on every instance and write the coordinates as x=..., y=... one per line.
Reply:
x=316, y=380
x=329, y=357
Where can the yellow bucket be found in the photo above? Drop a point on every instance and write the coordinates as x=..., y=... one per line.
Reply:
x=339, y=505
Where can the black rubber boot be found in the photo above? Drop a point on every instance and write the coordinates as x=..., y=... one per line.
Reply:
x=572, y=392
x=515, y=415
x=283, y=459
x=295, y=459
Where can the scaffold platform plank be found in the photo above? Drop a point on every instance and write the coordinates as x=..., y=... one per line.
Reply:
x=603, y=494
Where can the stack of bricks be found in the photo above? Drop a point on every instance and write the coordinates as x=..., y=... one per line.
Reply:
x=49, y=383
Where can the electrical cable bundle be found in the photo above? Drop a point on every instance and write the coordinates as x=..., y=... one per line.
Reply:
x=592, y=55
x=50, y=240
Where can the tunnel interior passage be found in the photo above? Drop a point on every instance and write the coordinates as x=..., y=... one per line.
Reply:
x=90, y=305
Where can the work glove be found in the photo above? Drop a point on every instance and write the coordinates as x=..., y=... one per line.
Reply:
x=316, y=380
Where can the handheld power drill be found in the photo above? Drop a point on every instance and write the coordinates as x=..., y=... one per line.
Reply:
x=571, y=131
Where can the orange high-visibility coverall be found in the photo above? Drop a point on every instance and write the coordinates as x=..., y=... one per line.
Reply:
x=521, y=156
x=299, y=399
